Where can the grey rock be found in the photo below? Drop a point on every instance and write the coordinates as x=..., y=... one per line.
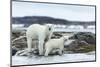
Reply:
x=85, y=36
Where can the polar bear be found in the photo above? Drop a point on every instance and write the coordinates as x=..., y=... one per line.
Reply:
x=40, y=33
x=55, y=44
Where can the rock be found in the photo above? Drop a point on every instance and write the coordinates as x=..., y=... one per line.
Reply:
x=14, y=50
x=79, y=47
x=68, y=42
x=56, y=35
x=20, y=44
x=78, y=43
x=85, y=36
x=91, y=53
x=84, y=42
x=25, y=52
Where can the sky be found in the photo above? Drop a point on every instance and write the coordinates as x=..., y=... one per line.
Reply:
x=68, y=12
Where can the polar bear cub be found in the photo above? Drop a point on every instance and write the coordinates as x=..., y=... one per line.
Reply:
x=54, y=44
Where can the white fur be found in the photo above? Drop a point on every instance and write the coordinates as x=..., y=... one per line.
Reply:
x=54, y=44
x=39, y=32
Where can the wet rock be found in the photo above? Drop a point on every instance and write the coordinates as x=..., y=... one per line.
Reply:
x=56, y=35
x=85, y=36
x=78, y=43
x=14, y=50
x=20, y=44
x=79, y=47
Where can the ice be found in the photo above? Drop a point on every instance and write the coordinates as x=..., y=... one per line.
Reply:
x=76, y=57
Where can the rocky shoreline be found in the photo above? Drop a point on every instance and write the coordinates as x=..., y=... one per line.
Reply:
x=81, y=42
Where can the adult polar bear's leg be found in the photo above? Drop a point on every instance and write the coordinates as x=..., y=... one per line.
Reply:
x=40, y=46
x=29, y=42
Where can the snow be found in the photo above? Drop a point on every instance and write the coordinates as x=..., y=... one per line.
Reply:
x=76, y=57
x=17, y=25
x=59, y=28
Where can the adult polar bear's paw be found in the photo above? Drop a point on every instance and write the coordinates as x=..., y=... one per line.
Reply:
x=40, y=33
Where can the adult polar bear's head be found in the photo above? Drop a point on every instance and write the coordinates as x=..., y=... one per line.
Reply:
x=49, y=31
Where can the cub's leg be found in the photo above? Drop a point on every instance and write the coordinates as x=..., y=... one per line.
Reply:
x=60, y=51
x=47, y=51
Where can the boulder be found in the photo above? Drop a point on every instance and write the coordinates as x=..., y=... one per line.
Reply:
x=85, y=36
x=79, y=47
x=14, y=50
